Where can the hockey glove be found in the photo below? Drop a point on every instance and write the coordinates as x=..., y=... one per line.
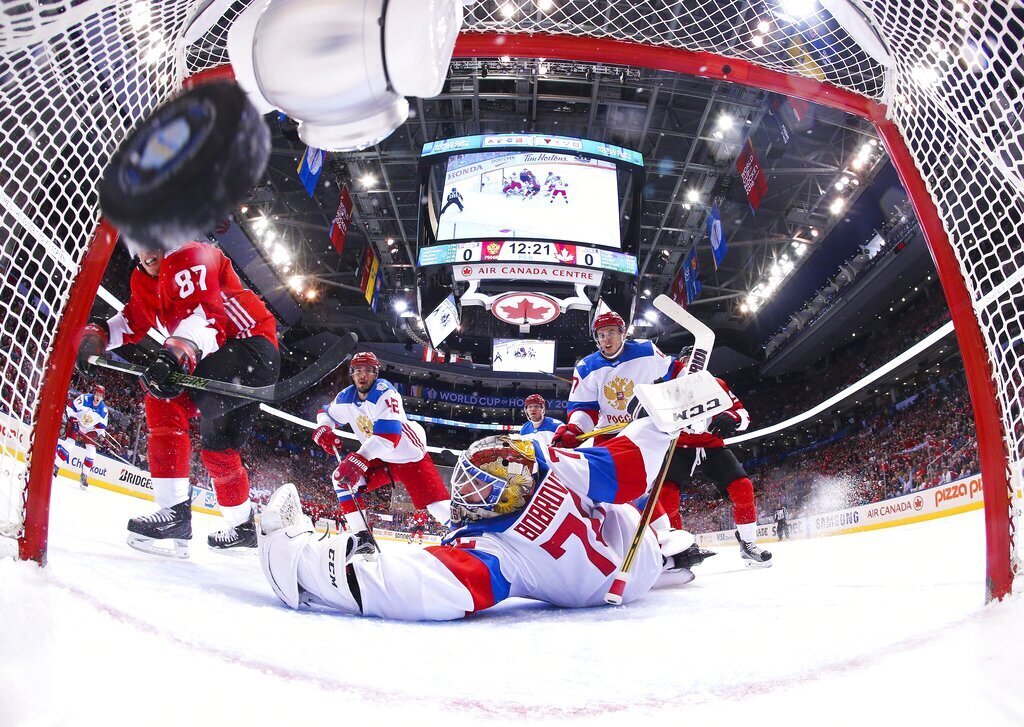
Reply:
x=178, y=356
x=348, y=473
x=567, y=436
x=326, y=439
x=724, y=425
x=95, y=337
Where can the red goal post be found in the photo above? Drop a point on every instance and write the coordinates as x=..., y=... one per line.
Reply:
x=953, y=67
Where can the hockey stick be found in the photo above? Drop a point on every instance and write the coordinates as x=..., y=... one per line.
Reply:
x=704, y=342
x=359, y=507
x=614, y=595
x=610, y=429
x=270, y=394
x=703, y=337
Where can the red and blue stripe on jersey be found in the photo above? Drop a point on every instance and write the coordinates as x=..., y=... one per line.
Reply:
x=615, y=472
x=479, y=571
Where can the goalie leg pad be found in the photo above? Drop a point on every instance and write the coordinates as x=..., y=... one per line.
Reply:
x=280, y=553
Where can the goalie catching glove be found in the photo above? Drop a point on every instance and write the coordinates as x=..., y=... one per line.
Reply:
x=327, y=440
x=349, y=472
x=567, y=436
x=178, y=356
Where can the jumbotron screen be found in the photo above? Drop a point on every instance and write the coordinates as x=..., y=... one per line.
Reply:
x=523, y=355
x=530, y=194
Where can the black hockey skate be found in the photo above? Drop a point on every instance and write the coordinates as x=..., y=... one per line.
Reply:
x=362, y=543
x=692, y=556
x=754, y=556
x=240, y=536
x=84, y=479
x=173, y=525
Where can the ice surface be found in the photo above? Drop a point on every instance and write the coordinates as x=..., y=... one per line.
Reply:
x=874, y=626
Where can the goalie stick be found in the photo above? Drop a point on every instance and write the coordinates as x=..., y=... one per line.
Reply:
x=704, y=342
x=331, y=359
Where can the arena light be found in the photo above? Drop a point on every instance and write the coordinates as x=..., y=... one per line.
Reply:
x=295, y=282
x=794, y=10
x=139, y=16
x=919, y=347
x=692, y=196
x=368, y=180
x=545, y=5
x=837, y=205
x=400, y=306
x=509, y=10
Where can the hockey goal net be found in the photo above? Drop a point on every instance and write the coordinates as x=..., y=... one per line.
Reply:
x=493, y=181
x=942, y=80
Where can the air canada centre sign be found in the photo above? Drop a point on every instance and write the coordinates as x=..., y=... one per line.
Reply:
x=527, y=271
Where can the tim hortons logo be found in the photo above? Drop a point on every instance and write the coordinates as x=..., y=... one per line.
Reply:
x=365, y=425
x=525, y=309
x=619, y=391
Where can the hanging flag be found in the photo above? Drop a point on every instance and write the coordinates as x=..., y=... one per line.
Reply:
x=339, y=228
x=377, y=288
x=754, y=182
x=310, y=167
x=432, y=356
x=678, y=290
x=368, y=273
x=717, y=235
x=690, y=275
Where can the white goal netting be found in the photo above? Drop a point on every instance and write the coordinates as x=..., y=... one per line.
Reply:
x=74, y=76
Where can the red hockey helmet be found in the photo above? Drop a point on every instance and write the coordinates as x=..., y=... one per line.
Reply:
x=609, y=318
x=535, y=399
x=99, y=389
x=365, y=358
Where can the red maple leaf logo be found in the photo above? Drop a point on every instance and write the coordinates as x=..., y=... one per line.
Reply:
x=526, y=311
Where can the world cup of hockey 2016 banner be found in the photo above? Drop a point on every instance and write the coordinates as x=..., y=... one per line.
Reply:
x=754, y=183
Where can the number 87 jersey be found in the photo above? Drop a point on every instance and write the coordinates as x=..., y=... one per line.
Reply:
x=197, y=296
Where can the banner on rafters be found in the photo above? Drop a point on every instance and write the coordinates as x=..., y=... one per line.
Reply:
x=717, y=235
x=432, y=356
x=690, y=275
x=339, y=228
x=378, y=289
x=310, y=167
x=678, y=290
x=368, y=273
x=754, y=182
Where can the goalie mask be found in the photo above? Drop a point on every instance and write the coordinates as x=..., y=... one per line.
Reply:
x=495, y=476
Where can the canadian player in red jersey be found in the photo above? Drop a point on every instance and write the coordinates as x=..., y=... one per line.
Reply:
x=219, y=330
x=703, y=447
x=419, y=524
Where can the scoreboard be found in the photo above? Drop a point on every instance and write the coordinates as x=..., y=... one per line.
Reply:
x=551, y=253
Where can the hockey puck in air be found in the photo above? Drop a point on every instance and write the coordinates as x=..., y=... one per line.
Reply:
x=185, y=167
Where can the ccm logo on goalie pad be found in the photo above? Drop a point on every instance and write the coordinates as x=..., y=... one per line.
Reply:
x=697, y=409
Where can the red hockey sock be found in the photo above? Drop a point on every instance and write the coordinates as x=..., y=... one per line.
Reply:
x=170, y=448
x=669, y=501
x=741, y=492
x=230, y=480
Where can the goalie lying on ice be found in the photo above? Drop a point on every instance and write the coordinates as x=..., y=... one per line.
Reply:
x=534, y=522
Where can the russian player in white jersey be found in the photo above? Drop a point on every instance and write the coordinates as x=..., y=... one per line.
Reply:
x=602, y=384
x=531, y=522
x=539, y=427
x=86, y=426
x=392, y=449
